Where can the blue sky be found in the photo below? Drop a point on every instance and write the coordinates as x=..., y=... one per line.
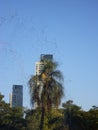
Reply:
x=66, y=29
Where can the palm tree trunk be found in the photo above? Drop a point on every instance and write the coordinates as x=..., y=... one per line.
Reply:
x=42, y=118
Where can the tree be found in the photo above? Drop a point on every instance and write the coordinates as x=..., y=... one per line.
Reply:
x=73, y=116
x=91, y=118
x=47, y=88
x=4, y=112
x=56, y=120
x=33, y=119
x=10, y=118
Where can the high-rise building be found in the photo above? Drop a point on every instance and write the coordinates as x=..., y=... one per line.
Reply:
x=46, y=57
x=39, y=67
x=40, y=64
x=16, y=98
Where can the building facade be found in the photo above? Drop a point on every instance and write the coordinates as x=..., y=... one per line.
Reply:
x=39, y=65
x=16, y=98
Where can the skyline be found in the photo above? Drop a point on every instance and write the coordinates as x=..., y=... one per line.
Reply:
x=66, y=29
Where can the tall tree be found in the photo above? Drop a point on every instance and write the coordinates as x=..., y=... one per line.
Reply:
x=47, y=88
x=73, y=116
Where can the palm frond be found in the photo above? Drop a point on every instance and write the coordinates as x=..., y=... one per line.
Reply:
x=47, y=88
x=57, y=75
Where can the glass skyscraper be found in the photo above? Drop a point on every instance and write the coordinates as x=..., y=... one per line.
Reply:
x=16, y=98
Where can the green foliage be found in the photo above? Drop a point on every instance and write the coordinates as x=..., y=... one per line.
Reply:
x=55, y=119
x=77, y=119
x=91, y=118
x=71, y=117
x=33, y=119
x=10, y=118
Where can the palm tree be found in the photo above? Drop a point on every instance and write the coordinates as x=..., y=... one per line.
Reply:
x=47, y=88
